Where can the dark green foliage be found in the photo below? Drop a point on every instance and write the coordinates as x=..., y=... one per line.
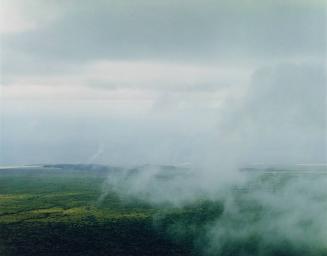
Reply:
x=55, y=212
x=124, y=237
x=58, y=211
x=188, y=224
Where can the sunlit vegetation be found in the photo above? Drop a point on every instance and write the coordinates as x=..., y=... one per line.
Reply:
x=58, y=211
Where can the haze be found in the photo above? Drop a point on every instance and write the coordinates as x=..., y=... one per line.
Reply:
x=163, y=82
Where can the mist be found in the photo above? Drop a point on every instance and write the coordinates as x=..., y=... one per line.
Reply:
x=172, y=83
x=212, y=105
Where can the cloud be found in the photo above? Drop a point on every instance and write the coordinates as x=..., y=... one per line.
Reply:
x=20, y=16
x=192, y=31
x=127, y=79
x=12, y=19
x=236, y=77
x=283, y=115
x=277, y=115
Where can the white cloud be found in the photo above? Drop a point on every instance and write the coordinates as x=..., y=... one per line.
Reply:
x=25, y=15
x=68, y=65
x=129, y=80
x=13, y=18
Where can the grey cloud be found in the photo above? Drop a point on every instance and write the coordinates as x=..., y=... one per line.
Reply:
x=161, y=87
x=180, y=31
x=291, y=93
x=283, y=117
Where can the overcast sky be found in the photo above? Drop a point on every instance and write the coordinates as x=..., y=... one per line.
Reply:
x=163, y=82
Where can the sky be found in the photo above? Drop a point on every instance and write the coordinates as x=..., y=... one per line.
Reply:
x=163, y=82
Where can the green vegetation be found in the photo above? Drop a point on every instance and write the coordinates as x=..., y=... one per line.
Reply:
x=62, y=211
x=56, y=212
